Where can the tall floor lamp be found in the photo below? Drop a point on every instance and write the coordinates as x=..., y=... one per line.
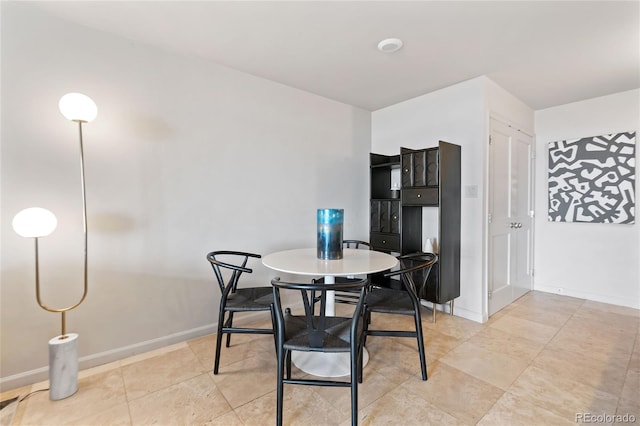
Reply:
x=36, y=222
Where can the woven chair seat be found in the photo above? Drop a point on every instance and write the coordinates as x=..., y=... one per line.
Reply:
x=336, y=336
x=250, y=299
x=389, y=301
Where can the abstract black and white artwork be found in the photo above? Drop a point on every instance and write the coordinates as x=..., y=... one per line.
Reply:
x=592, y=179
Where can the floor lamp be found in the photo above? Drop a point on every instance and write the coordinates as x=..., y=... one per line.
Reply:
x=36, y=222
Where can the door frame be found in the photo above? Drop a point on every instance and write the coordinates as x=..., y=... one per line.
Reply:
x=485, y=200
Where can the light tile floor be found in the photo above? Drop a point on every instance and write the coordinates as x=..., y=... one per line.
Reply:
x=543, y=360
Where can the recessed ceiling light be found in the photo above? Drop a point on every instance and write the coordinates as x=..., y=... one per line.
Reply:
x=390, y=45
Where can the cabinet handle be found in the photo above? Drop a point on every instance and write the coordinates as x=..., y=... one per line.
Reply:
x=384, y=242
x=406, y=170
x=419, y=195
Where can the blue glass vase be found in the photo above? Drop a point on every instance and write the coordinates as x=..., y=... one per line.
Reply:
x=330, y=233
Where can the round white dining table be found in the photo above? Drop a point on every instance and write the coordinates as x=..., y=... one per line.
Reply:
x=305, y=262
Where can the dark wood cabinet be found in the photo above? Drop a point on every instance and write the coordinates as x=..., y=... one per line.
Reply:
x=391, y=228
x=430, y=178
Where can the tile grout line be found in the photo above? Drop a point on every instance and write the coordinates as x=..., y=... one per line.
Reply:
x=530, y=364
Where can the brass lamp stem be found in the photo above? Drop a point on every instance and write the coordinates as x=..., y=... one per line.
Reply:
x=63, y=311
x=84, y=211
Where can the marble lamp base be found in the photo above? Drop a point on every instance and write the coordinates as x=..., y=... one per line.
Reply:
x=63, y=366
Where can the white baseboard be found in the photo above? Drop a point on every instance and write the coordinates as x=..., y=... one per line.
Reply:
x=457, y=311
x=94, y=360
x=595, y=297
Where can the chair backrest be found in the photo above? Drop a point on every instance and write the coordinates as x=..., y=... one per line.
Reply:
x=414, y=271
x=235, y=261
x=316, y=324
x=356, y=244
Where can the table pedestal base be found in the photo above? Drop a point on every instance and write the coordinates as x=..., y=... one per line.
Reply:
x=323, y=364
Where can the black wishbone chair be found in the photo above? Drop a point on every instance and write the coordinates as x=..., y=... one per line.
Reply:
x=313, y=332
x=414, y=272
x=234, y=299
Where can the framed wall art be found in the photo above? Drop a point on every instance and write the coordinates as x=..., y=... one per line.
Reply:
x=592, y=179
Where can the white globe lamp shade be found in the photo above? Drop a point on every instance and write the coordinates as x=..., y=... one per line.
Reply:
x=34, y=222
x=78, y=107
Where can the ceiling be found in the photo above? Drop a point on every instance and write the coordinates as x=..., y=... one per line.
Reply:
x=546, y=53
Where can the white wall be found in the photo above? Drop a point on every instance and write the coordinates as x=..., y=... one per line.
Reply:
x=593, y=261
x=185, y=157
x=454, y=114
x=564, y=253
x=505, y=107
x=458, y=114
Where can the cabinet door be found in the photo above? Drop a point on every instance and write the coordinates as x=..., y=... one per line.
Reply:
x=385, y=216
x=407, y=170
x=394, y=217
x=420, y=168
x=390, y=216
x=374, y=220
x=432, y=167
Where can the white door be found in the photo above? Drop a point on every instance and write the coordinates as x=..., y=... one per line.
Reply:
x=510, y=215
